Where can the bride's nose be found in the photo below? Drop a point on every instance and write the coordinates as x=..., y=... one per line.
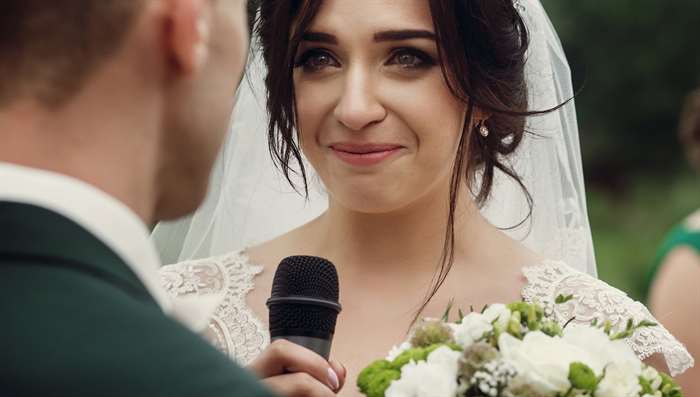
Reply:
x=358, y=106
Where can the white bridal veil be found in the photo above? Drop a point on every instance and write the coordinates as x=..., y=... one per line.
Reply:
x=250, y=201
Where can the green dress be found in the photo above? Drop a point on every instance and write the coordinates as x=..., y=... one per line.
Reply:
x=687, y=233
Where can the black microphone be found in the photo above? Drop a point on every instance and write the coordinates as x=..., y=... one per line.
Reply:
x=304, y=303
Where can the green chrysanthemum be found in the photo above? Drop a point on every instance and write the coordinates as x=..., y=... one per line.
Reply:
x=376, y=378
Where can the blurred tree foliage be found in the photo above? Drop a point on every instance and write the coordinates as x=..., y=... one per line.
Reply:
x=635, y=61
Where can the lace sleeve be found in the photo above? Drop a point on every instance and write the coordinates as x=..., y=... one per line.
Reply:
x=219, y=286
x=594, y=299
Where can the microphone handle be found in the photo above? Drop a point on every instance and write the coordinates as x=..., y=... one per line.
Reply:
x=320, y=346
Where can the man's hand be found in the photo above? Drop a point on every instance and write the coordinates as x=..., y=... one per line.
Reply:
x=291, y=370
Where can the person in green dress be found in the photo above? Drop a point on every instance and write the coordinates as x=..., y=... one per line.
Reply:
x=674, y=293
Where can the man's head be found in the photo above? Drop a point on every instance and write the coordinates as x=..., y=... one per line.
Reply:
x=158, y=75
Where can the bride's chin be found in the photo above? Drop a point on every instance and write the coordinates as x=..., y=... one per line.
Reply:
x=369, y=201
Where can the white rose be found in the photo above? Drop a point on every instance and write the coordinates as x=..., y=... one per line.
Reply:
x=471, y=329
x=498, y=313
x=446, y=358
x=602, y=350
x=397, y=350
x=436, y=377
x=618, y=382
x=542, y=361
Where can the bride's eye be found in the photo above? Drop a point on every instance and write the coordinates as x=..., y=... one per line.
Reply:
x=316, y=60
x=411, y=58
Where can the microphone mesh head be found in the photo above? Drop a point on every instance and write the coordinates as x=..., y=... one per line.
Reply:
x=304, y=276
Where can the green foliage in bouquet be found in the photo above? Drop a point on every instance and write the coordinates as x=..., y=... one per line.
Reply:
x=483, y=367
x=654, y=381
x=582, y=377
x=528, y=317
x=376, y=378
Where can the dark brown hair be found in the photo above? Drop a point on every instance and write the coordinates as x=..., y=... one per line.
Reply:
x=482, y=46
x=49, y=48
x=690, y=128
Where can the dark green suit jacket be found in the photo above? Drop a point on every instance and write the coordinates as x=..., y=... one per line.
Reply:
x=76, y=321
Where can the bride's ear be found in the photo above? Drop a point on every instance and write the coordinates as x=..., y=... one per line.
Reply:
x=187, y=34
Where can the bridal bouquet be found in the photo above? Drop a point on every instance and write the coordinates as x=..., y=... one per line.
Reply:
x=514, y=351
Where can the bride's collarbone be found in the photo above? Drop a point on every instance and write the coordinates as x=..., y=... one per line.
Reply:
x=368, y=287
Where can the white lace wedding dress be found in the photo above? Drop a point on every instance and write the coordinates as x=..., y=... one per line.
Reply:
x=239, y=333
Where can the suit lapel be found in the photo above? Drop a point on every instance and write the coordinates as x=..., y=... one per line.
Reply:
x=39, y=237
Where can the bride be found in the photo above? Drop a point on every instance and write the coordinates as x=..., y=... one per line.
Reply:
x=438, y=149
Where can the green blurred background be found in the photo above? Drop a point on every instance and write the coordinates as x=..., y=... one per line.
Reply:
x=634, y=62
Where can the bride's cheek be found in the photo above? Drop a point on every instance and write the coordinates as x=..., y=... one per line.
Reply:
x=313, y=107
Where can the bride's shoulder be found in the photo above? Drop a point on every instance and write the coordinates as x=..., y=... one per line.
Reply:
x=209, y=275
x=549, y=279
x=594, y=299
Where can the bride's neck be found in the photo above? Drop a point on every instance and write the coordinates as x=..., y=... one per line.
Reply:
x=411, y=237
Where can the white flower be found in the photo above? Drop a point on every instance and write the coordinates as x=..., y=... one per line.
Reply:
x=495, y=375
x=652, y=375
x=397, y=350
x=618, y=382
x=602, y=350
x=436, y=377
x=498, y=313
x=471, y=329
x=542, y=361
x=445, y=357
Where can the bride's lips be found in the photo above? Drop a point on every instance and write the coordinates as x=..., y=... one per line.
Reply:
x=364, y=154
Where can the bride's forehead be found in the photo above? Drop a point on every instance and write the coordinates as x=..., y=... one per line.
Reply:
x=348, y=16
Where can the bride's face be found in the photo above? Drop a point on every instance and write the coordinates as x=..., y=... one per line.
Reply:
x=376, y=117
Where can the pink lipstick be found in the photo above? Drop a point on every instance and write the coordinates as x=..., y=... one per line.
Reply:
x=364, y=154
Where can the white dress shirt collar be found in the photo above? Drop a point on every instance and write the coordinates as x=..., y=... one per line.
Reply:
x=108, y=219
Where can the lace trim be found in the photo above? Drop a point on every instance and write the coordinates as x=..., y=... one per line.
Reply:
x=234, y=329
x=594, y=299
x=240, y=334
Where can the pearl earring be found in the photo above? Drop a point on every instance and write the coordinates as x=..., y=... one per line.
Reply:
x=483, y=130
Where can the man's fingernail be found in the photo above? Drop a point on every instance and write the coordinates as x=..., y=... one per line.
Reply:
x=333, y=379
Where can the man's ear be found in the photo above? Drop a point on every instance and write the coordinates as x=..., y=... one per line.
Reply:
x=187, y=37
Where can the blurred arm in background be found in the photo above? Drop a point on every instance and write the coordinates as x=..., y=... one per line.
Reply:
x=675, y=286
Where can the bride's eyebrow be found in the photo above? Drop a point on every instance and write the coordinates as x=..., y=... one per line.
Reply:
x=386, y=35
x=404, y=34
x=319, y=37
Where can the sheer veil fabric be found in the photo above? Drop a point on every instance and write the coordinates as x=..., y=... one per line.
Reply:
x=250, y=202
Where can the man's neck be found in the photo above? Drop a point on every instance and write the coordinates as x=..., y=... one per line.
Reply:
x=84, y=142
